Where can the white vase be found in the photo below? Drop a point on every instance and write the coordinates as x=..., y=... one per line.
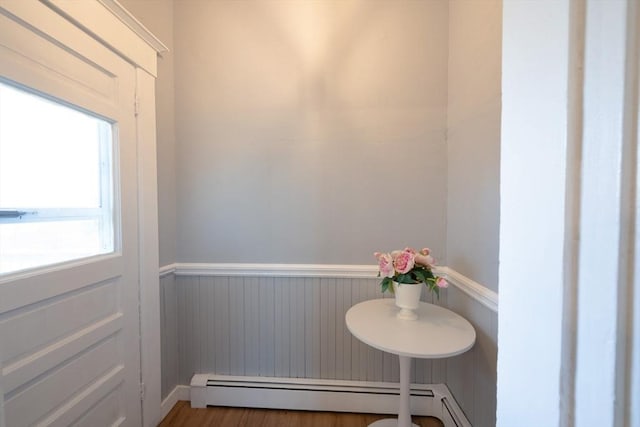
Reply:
x=408, y=299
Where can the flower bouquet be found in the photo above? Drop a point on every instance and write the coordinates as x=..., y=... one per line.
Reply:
x=409, y=267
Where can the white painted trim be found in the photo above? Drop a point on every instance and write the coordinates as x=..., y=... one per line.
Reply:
x=475, y=290
x=167, y=269
x=324, y=395
x=99, y=21
x=180, y=392
x=136, y=26
x=148, y=257
x=276, y=270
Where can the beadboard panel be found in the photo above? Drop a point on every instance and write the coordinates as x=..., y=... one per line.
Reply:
x=168, y=334
x=294, y=327
x=471, y=376
x=273, y=327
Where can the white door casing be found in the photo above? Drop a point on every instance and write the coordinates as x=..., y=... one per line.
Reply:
x=70, y=334
x=569, y=321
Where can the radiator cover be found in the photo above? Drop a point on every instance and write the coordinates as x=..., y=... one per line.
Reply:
x=324, y=395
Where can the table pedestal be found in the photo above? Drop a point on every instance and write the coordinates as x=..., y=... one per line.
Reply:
x=437, y=333
x=404, y=411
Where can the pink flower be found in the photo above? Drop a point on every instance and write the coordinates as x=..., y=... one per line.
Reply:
x=425, y=251
x=385, y=263
x=403, y=261
x=425, y=260
x=441, y=283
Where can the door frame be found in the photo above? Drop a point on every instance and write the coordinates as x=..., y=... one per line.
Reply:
x=114, y=27
x=569, y=320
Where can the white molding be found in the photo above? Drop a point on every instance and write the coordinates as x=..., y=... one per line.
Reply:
x=105, y=22
x=148, y=257
x=324, y=395
x=475, y=290
x=277, y=270
x=136, y=26
x=167, y=269
x=180, y=392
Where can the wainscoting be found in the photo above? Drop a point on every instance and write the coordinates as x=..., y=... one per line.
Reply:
x=268, y=321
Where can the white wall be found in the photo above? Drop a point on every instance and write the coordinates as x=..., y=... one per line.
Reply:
x=309, y=132
x=473, y=139
x=533, y=211
x=157, y=16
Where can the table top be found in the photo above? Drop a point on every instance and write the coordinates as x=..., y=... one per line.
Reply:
x=437, y=333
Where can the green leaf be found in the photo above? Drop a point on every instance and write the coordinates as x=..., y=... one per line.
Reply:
x=386, y=285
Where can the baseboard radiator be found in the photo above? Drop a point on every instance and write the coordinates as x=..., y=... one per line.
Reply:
x=324, y=395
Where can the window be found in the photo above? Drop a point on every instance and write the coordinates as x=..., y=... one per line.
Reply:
x=56, y=182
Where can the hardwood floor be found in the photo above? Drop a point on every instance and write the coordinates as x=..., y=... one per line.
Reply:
x=182, y=415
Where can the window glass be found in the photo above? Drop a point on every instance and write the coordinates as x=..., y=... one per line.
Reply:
x=55, y=182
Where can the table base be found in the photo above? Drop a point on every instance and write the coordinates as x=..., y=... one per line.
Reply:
x=388, y=422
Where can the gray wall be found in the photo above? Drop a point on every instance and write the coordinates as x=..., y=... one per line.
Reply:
x=309, y=132
x=471, y=377
x=157, y=16
x=473, y=190
x=473, y=141
x=296, y=126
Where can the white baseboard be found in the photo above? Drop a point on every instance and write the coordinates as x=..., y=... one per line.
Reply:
x=324, y=395
x=180, y=392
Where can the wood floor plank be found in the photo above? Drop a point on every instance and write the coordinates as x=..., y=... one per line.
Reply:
x=182, y=415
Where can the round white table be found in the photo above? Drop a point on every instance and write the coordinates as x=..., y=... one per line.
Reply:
x=437, y=333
